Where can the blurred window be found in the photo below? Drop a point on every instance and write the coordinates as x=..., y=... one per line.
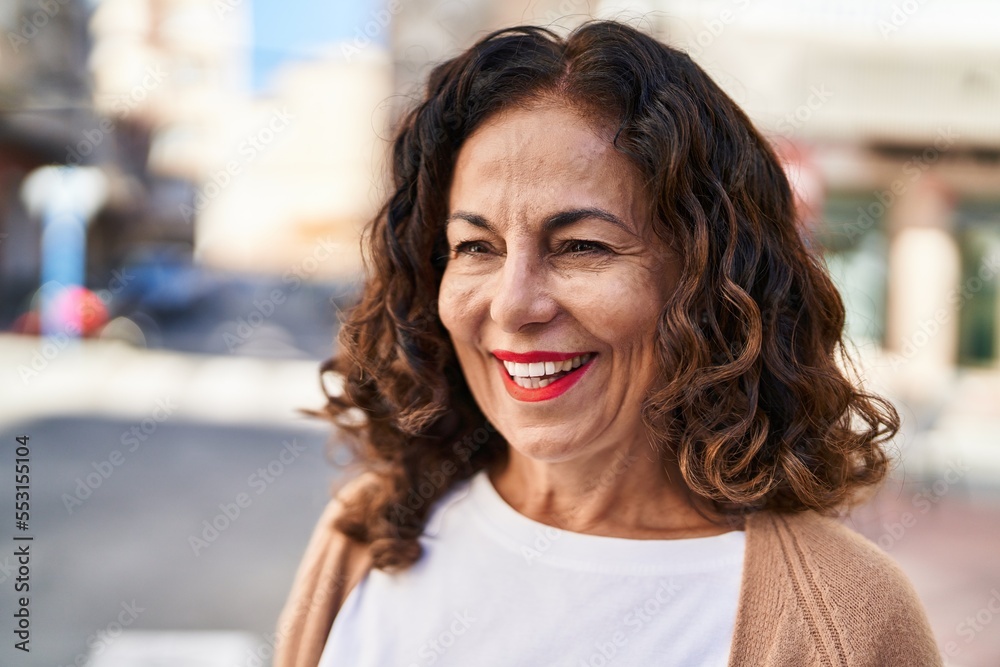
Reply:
x=978, y=235
x=852, y=233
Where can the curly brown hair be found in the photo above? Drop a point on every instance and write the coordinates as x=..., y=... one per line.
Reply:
x=750, y=402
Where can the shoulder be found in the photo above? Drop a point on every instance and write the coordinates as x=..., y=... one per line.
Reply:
x=327, y=539
x=828, y=571
x=837, y=551
x=331, y=566
x=822, y=551
x=330, y=554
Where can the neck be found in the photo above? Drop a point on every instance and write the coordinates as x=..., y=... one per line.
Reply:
x=625, y=492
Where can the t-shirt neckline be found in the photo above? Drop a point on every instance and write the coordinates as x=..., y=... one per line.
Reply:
x=543, y=544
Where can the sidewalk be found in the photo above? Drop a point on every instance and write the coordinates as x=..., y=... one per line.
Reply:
x=112, y=379
x=946, y=537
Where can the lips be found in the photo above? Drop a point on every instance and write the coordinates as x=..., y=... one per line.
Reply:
x=539, y=376
x=536, y=356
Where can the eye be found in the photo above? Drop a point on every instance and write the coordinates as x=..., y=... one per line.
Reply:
x=470, y=248
x=582, y=247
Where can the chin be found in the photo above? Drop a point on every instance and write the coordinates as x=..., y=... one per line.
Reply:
x=545, y=449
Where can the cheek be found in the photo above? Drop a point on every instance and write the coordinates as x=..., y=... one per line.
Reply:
x=458, y=305
x=621, y=309
x=623, y=326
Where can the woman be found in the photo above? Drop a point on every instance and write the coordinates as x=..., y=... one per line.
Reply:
x=593, y=384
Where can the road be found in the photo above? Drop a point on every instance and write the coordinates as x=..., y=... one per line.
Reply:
x=138, y=540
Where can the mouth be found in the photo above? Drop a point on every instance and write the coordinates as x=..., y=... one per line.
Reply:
x=541, y=376
x=538, y=374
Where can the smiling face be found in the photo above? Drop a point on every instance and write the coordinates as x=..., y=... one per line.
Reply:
x=553, y=263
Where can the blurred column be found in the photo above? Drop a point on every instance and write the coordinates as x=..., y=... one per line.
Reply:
x=924, y=274
x=65, y=198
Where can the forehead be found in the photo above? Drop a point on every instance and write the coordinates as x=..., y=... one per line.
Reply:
x=526, y=161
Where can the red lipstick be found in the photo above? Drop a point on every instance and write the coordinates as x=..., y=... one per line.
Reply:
x=535, y=357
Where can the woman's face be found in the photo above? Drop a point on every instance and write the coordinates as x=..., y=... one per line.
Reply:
x=554, y=268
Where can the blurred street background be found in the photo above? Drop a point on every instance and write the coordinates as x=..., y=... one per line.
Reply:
x=182, y=188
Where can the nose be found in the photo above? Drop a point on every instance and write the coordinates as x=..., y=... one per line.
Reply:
x=522, y=296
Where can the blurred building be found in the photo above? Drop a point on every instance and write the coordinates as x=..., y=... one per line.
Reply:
x=53, y=114
x=156, y=94
x=300, y=171
x=43, y=103
x=894, y=106
x=885, y=113
x=286, y=179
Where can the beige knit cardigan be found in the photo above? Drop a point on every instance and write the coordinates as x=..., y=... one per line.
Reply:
x=813, y=592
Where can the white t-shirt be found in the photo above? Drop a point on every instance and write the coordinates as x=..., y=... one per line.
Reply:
x=495, y=588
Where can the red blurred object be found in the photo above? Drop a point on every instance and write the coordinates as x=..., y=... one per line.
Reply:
x=73, y=305
x=79, y=304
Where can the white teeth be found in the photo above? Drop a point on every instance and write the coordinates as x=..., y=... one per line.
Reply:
x=527, y=383
x=532, y=376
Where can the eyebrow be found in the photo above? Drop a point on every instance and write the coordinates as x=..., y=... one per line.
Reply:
x=552, y=223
